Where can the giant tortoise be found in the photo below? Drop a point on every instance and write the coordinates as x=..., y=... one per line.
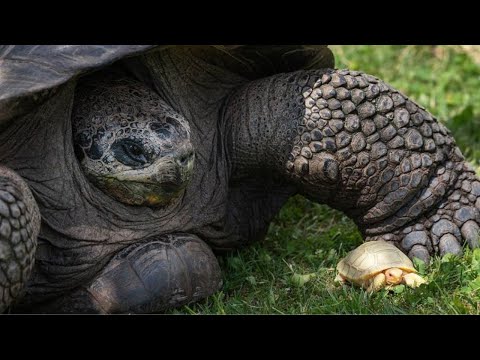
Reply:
x=123, y=167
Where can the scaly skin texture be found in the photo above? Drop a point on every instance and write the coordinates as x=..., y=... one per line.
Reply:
x=349, y=140
x=19, y=227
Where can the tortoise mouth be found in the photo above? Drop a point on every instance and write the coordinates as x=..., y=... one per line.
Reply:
x=172, y=187
x=152, y=189
x=140, y=193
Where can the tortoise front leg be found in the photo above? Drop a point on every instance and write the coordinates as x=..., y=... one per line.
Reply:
x=19, y=228
x=413, y=280
x=351, y=141
x=368, y=150
x=151, y=276
x=377, y=283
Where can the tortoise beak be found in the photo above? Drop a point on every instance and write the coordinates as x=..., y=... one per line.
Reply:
x=177, y=174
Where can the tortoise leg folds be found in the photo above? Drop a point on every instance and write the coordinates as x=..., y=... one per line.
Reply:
x=151, y=276
x=19, y=228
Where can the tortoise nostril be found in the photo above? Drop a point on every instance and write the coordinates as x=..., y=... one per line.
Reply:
x=185, y=159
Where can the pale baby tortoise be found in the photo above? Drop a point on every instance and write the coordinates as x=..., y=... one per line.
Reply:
x=375, y=265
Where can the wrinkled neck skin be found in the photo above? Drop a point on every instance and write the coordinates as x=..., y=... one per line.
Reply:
x=341, y=142
x=262, y=120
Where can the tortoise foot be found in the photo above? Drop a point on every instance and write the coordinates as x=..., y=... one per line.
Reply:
x=453, y=224
x=152, y=276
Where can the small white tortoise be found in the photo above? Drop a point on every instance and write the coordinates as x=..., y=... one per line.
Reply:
x=375, y=265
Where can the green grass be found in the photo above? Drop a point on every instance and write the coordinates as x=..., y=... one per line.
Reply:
x=292, y=271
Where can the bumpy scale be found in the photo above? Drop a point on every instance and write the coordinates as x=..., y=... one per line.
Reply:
x=19, y=228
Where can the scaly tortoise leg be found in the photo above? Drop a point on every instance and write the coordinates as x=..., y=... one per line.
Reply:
x=339, y=279
x=349, y=140
x=150, y=276
x=19, y=228
x=370, y=151
x=377, y=283
x=413, y=280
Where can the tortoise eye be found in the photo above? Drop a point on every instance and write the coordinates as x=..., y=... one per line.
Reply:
x=129, y=152
x=134, y=149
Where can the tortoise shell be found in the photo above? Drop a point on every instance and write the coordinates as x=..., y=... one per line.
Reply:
x=30, y=74
x=371, y=258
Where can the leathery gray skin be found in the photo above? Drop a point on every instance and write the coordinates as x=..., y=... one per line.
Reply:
x=338, y=137
x=347, y=139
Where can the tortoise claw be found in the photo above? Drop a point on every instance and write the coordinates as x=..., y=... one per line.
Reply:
x=454, y=223
x=449, y=244
x=471, y=233
x=420, y=252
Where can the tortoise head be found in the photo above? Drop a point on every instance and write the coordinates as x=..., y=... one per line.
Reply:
x=393, y=276
x=130, y=143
